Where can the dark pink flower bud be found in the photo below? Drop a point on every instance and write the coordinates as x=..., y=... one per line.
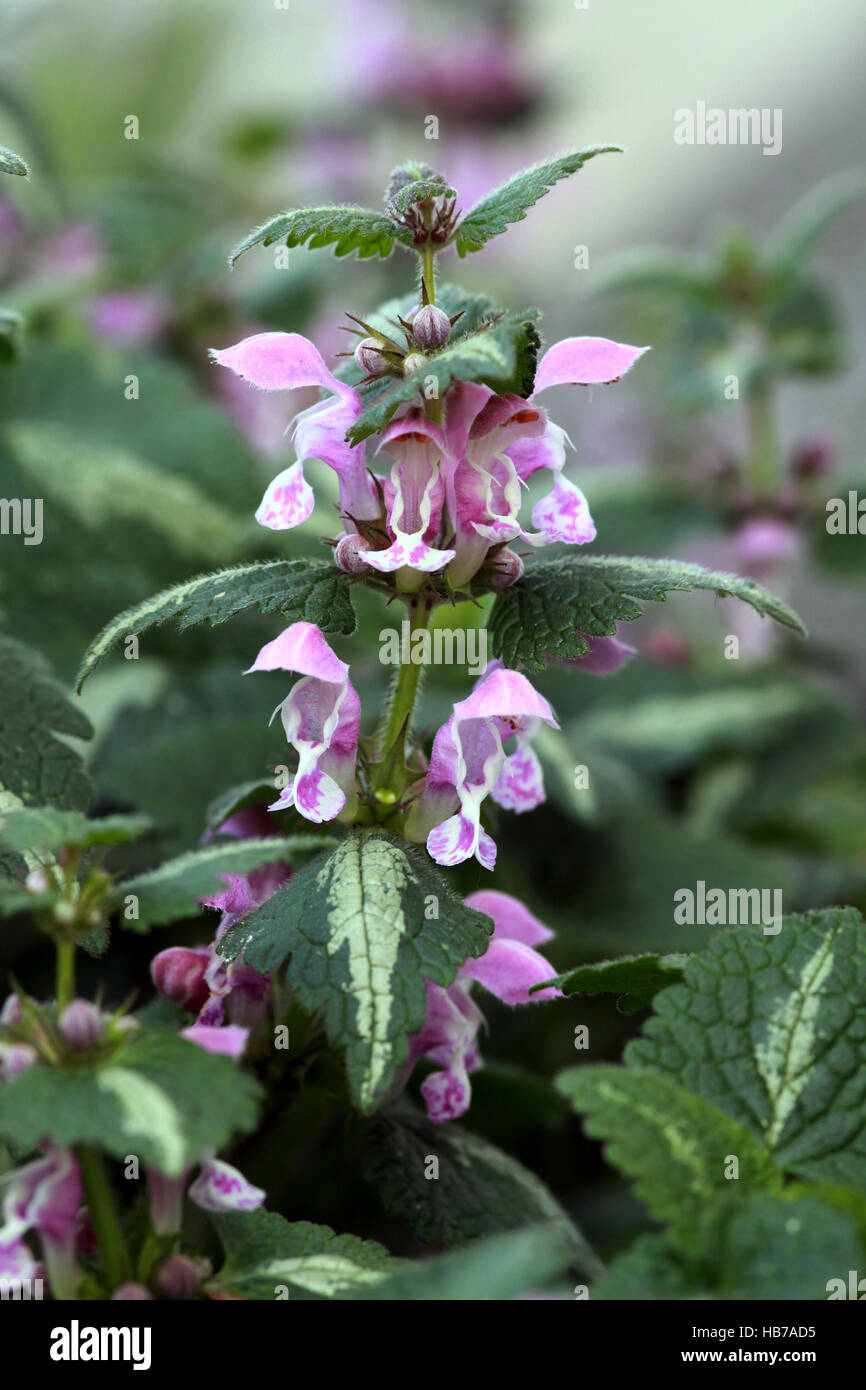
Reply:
x=811, y=458
x=131, y=1293
x=179, y=974
x=431, y=328
x=178, y=1278
x=81, y=1025
x=348, y=553
x=507, y=569
x=370, y=358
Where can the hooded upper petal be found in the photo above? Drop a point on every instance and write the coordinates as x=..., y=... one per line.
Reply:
x=585, y=362
x=281, y=362
x=508, y=969
x=511, y=917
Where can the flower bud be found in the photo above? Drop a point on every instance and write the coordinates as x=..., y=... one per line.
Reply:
x=811, y=458
x=506, y=569
x=177, y=1278
x=38, y=881
x=178, y=973
x=431, y=328
x=414, y=363
x=370, y=358
x=131, y=1293
x=81, y=1025
x=348, y=552
x=10, y=1014
x=16, y=1058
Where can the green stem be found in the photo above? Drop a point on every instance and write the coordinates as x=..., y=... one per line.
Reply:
x=103, y=1214
x=763, y=465
x=65, y=973
x=428, y=263
x=405, y=691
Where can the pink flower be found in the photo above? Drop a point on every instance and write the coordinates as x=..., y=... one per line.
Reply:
x=129, y=316
x=496, y=442
x=452, y=492
x=44, y=1196
x=286, y=362
x=469, y=761
x=321, y=717
x=414, y=495
x=605, y=655
x=198, y=978
x=508, y=968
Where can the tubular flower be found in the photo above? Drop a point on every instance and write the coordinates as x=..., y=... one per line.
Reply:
x=469, y=761
x=321, y=717
x=508, y=968
x=43, y=1196
x=495, y=444
x=414, y=494
x=286, y=362
x=198, y=978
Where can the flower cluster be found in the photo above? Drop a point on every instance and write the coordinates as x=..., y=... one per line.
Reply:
x=454, y=488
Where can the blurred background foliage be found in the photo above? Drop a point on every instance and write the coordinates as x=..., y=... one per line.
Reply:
x=747, y=772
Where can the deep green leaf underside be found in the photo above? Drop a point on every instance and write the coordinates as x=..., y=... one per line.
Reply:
x=635, y=979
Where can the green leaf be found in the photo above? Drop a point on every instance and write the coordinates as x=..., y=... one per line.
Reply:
x=675, y=1144
x=799, y=230
x=115, y=485
x=662, y=272
x=12, y=163
x=362, y=945
x=635, y=979
x=160, y=1097
x=500, y=1267
x=478, y=1190
x=757, y=1247
x=11, y=331
x=412, y=183
x=253, y=793
x=14, y=898
x=772, y=1029
x=301, y=590
x=45, y=828
x=172, y=891
x=265, y=1253
x=345, y=228
x=501, y=354
x=511, y=202
x=546, y=613
x=35, y=767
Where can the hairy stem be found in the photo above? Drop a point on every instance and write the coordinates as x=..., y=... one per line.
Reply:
x=65, y=973
x=405, y=691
